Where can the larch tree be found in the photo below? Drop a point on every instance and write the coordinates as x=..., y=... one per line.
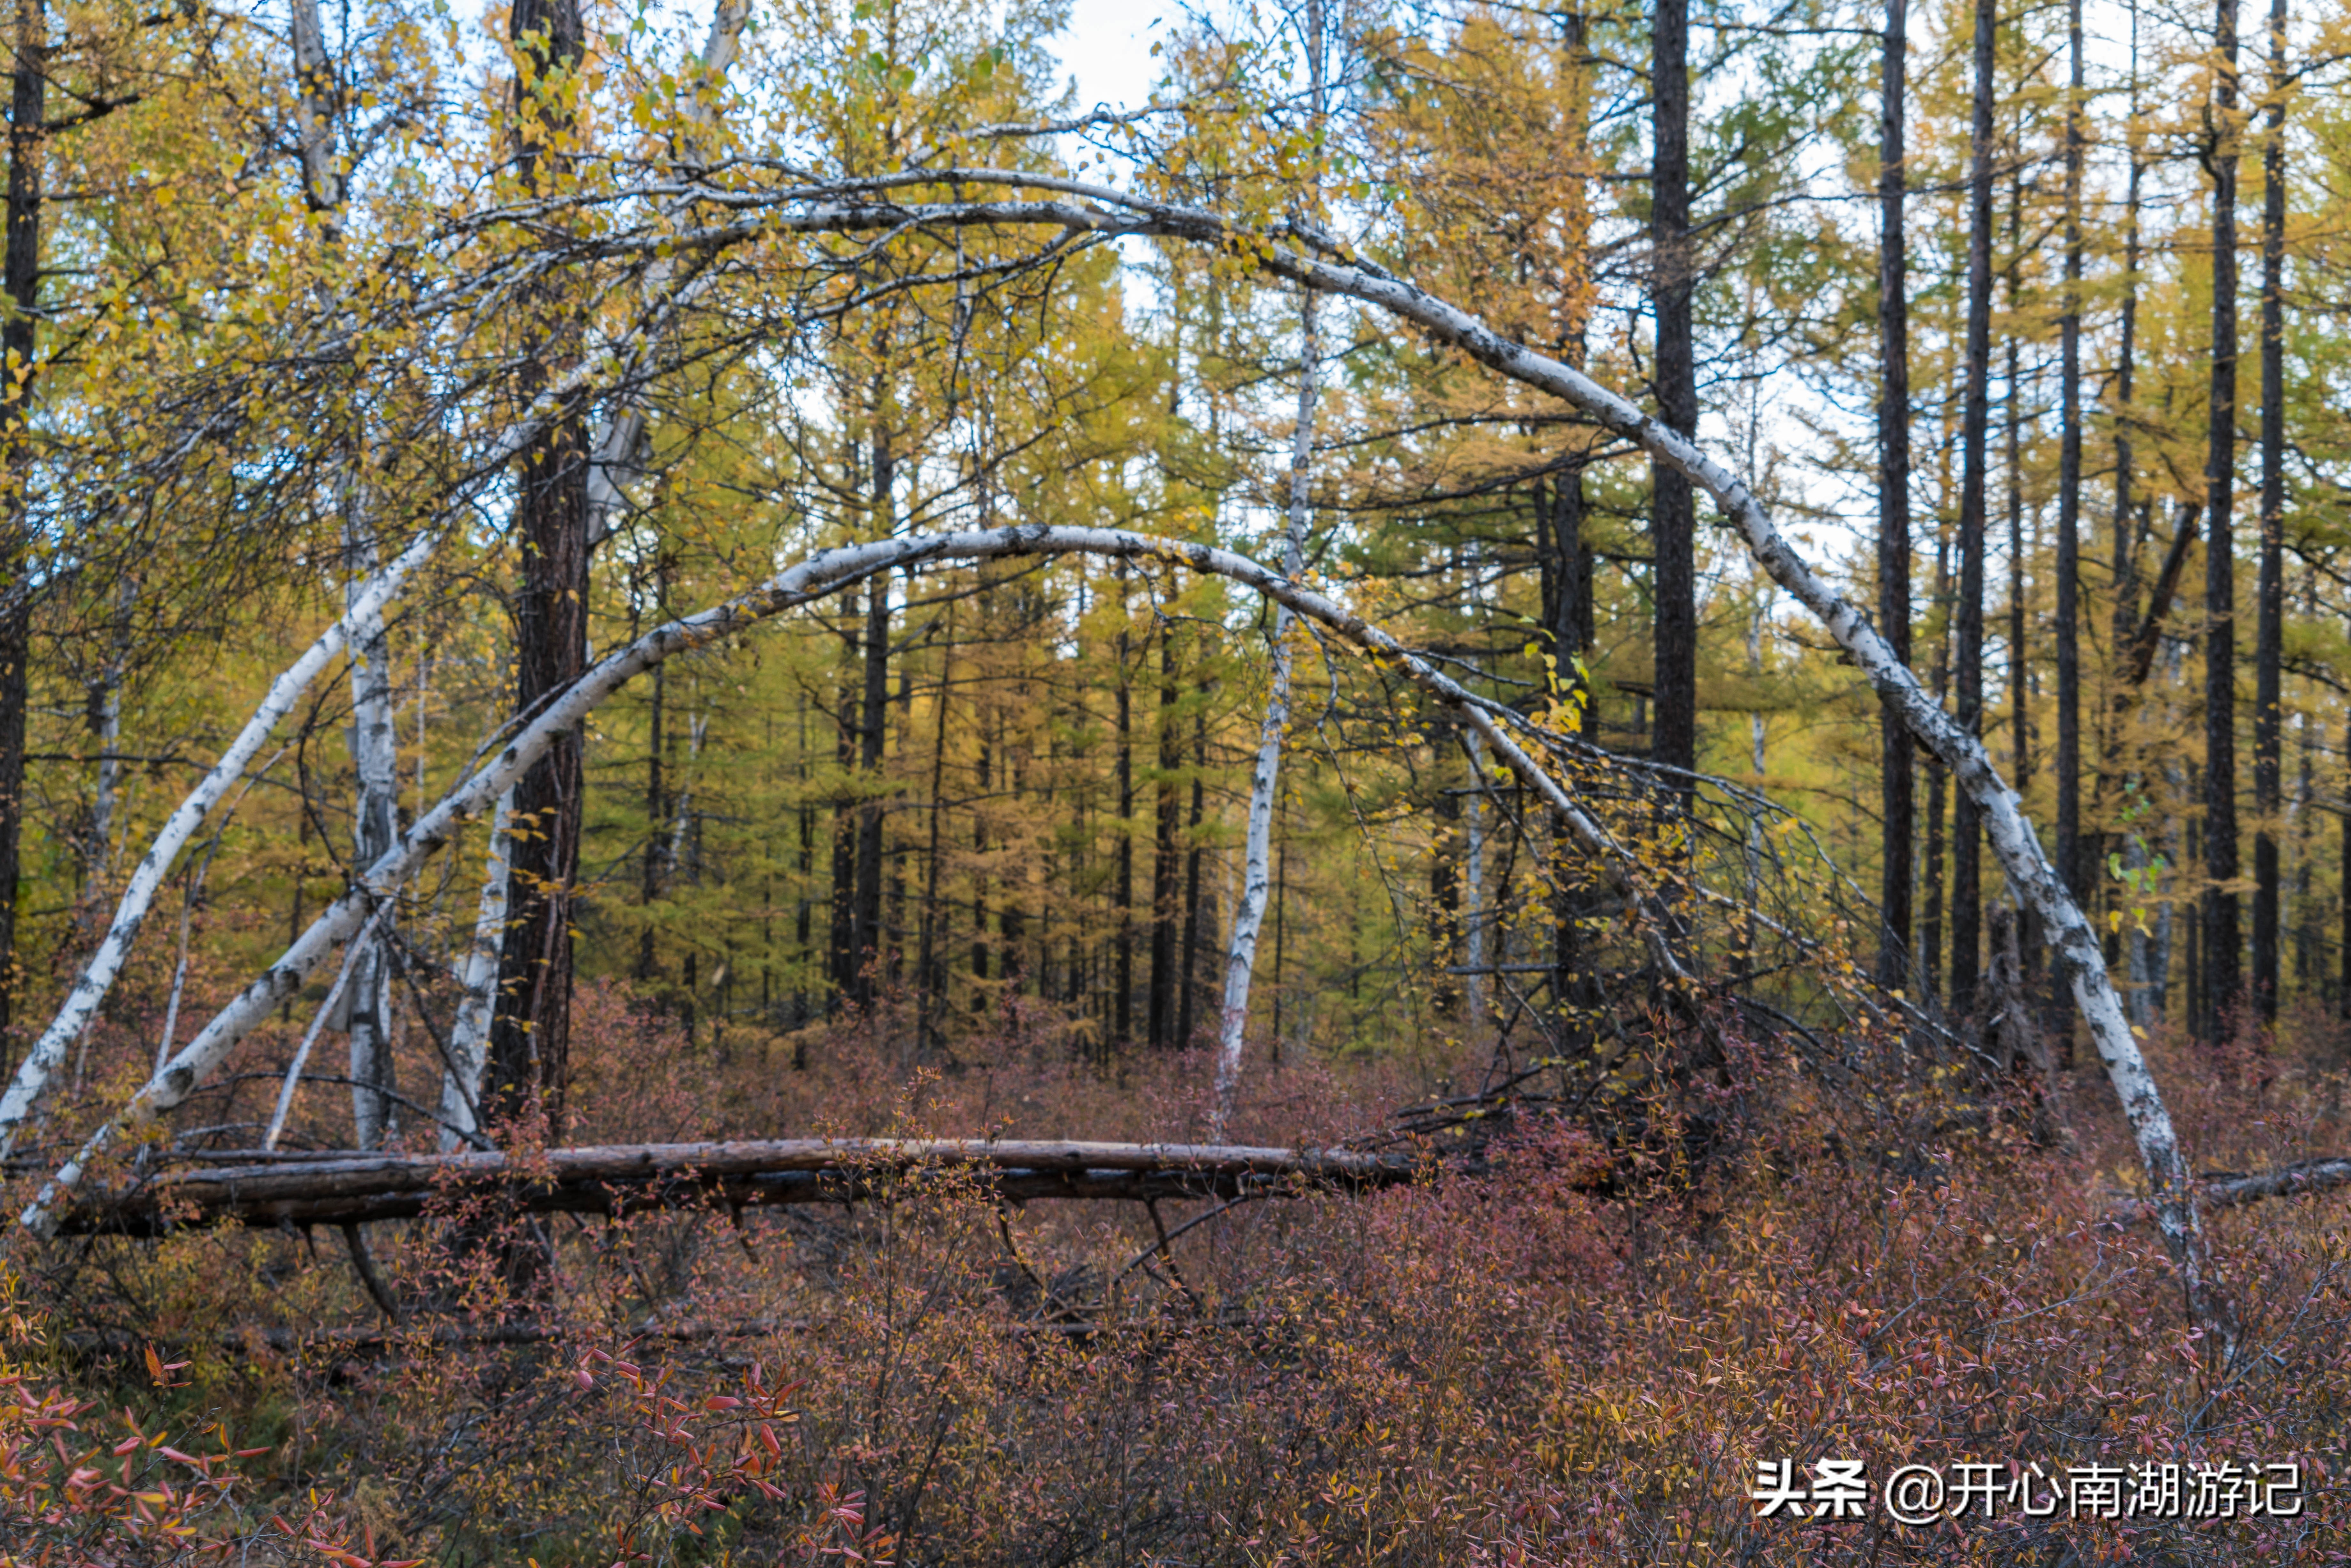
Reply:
x=1898, y=804
x=2222, y=958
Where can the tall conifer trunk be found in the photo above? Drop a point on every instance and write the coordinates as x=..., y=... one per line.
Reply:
x=530, y=1033
x=1674, y=740
x=2066, y=618
x=874, y=715
x=2220, y=976
x=841, y=931
x=2270, y=626
x=1167, y=857
x=1122, y=961
x=1188, y=991
x=1930, y=923
x=1967, y=829
x=1897, y=773
x=20, y=275
x=2019, y=709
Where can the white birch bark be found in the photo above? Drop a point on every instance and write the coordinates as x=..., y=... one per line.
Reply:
x=97, y=979
x=822, y=575
x=1321, y=263
x=138, y=897
x=376, y=760
x=2011, y=836
x=352, y=958
x=314, y=77
x=469, y=1032
x=363, y=1014
x=1265, y=778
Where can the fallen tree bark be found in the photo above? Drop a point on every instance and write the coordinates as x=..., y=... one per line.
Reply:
x=337, y=1189
x=356, y=1340
x=823, y=573
x=2227, y=1189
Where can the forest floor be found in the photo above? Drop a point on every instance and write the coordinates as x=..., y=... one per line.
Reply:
x=1584, y=1344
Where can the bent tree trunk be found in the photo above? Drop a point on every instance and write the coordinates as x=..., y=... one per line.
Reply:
x=1074, y=207
x=147, y=879
x=2029, y=873
x=828, y=572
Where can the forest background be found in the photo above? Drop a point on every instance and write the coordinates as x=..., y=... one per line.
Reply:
x=433, y=357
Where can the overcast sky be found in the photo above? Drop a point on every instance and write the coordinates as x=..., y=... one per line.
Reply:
x=1108, y=50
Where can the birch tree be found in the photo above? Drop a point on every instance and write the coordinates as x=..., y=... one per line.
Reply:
x=1265, y=777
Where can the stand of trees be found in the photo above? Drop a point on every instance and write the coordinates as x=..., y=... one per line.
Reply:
x=496, y=353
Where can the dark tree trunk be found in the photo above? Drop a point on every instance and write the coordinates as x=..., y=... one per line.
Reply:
x=2019, y=709
x=1930, y=923
x=531, y=1031
x=803, y=914
x=2195, y=977
x=1280, y=915
x=2220, y=973
x=1192, y=865
x=929, y=983
x=983, y=775
x=1166, y=859
x=656, y=814
x=2026, y=945
x=1445, y=904
x=2071, y=862
x=20, y=273
x=2127, y=539
x=1966, y=831
x=1122, y=996
x=1897, y=772
x=873, y=717
x=2343, y=887
x=840, y=943
x=1674, y=523
x=2270, y=626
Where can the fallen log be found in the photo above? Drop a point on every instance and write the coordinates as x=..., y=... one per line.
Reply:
x=376, y=1341
x=323, y=1187
x=2227, y=1189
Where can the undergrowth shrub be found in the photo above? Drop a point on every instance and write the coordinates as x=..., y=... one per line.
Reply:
x=1571, y=1343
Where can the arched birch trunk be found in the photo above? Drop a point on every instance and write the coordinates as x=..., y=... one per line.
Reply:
x=826, y=573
